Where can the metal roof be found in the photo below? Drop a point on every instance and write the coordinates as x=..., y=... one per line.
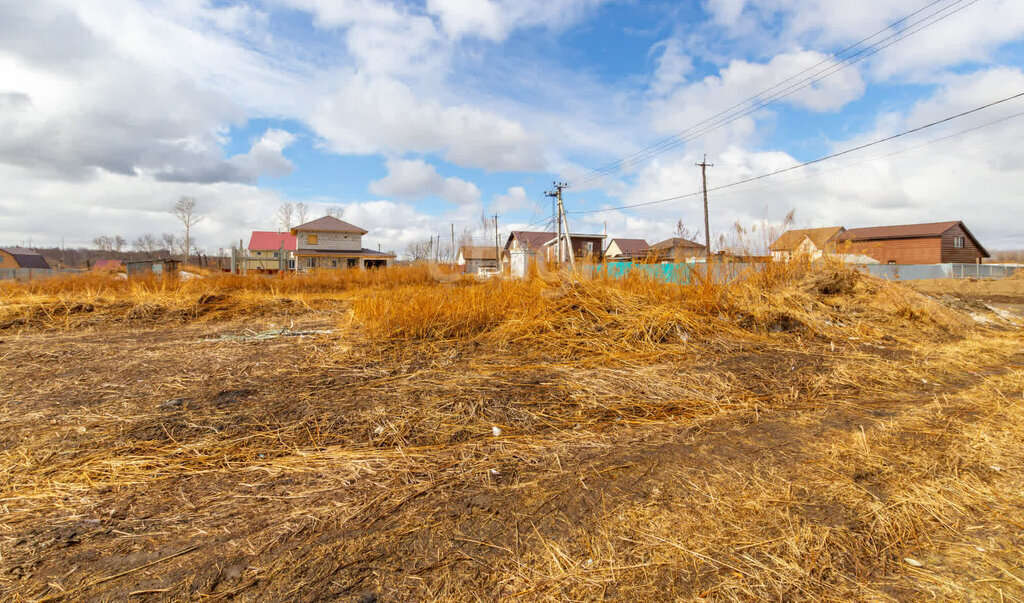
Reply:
x=675, y=242
x=271, y=241
x=630, y=246
x=328, y=224
x=26, y=258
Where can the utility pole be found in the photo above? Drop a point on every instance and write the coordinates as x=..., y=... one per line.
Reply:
x=453, y=246
x=497, y=251
x=704, y=165
x=563, y=225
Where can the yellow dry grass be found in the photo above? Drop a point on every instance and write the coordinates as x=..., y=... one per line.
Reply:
x=802, y=434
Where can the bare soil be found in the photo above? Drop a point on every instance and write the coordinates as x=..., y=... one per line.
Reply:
x=189, y=462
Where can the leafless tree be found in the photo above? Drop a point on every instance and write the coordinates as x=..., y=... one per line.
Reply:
x=104, y=243
x=284, y=216
x=186, y=212
x=147, y=244
x=334, y=212
x=684, y=232
x=301, y=212
x=168, y=242
x=420, y=250
x=119, y=243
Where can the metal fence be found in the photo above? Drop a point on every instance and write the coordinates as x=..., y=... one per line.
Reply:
x=682, y=273
x=915, y=272
x=26, y=274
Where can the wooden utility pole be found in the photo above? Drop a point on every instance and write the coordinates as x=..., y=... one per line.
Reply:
x=453, y=246
x=704, y=165
x=497, y=250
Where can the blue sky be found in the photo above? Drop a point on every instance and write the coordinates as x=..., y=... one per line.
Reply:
x=406, y=117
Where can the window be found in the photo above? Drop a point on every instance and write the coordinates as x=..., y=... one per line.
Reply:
x=311, y=239
x=310, y=262
x=334, y=263
x=277, y=254
x=589, y=247
x=958, y=242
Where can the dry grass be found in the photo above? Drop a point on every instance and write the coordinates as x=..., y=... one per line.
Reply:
x=795, y=436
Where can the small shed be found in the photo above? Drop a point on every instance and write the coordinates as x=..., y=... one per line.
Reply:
x=475, y=257
x=157, y=267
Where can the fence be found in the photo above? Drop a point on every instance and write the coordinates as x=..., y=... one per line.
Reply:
x=25, y=274
x=915, y=272
x=681, y=273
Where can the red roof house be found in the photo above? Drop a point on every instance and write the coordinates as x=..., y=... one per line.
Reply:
x=271, y=241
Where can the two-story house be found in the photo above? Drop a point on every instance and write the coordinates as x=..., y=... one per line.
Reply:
x=332, y=243
x=270, y=252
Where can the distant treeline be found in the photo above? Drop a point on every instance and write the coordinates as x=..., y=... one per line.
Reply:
x=1007, y=255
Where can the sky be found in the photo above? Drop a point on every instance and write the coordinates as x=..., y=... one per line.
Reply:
x=407, y=117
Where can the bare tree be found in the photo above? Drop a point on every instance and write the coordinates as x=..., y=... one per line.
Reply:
x=284, y=216
x=119, y=243
x=147, y=244
x=168, y=242
x=186, y=213
x=421, y=250
x=103, y=243
x=334, y=212
x=301, y=212
x=683, y=232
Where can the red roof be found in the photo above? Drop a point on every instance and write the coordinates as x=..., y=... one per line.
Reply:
x=328, y=224
x=536, y=240
x=271, y=241
x=108, y=265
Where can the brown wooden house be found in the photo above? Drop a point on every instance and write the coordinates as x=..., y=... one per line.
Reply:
x=932, y=243
x=16, y=257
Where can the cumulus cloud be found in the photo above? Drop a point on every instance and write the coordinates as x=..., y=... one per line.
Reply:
x=515, y=200
x=265, y=158
x=739, y=80
x=377, y=115
x=416, y=179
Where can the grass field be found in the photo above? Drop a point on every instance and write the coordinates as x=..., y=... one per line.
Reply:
x=381, y=436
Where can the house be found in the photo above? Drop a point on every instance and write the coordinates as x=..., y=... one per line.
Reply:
x=932, y=243
x=809, y=243
x=331, y=243
x=523, y=246
x=17, y=257
x=111, y=265
x=626, y=249
x=265, y=252
x=474, y=257
x=675, y=249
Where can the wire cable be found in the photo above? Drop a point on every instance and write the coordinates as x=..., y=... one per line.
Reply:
x=740, y=110
x=811, y=162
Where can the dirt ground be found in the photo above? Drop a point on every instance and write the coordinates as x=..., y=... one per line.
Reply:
x=223, y=460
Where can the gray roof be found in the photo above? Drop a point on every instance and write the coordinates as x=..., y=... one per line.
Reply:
x=26, y=258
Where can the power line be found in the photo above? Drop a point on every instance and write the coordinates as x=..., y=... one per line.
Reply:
x=813, y=161
x=740, y=110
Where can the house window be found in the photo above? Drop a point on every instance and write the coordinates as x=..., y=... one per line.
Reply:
x=334, y=263
x=958, y=242
x=589, y=247
x=311, y=239
x=277, y=254
x=310, y=262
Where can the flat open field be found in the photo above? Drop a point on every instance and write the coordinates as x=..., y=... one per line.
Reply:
x=794, y=436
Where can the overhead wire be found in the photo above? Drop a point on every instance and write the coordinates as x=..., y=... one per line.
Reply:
x=811, y=162
x=741, y=109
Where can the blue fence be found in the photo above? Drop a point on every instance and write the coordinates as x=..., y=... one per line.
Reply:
x=683, y=273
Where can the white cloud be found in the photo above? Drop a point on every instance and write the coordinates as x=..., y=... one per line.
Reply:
x=416, y=179
x=378, y=115
x=515, y=200
x=495, y=19
x=693, y=102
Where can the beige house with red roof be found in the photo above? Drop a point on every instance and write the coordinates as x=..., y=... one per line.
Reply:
x=330, y=243
x=270, y=252
x=626, y=249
